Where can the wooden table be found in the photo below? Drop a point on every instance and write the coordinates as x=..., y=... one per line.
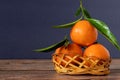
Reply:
x=37, y=69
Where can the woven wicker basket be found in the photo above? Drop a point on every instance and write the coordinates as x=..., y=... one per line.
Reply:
x=81, y=65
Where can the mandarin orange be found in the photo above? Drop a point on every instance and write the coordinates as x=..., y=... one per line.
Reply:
x=83, y=33
x=70, y=50
x=98, y=51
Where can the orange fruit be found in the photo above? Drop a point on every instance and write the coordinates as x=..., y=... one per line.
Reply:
x=83, y=33
x=98, y=51
x=70, y=50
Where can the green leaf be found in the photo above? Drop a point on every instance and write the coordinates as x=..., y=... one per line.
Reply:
x=78, y=12
x=104, y=29
x=66, y=25
x=52, y=47
x=86, y=13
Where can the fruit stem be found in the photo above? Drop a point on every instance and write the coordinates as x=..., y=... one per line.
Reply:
x=67, y=43
x=81, y=6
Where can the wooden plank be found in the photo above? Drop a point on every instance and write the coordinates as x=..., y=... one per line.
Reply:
x=38, y=64
x=115, y=64
x=23, y=64
x=52, y=75
x=37, y=69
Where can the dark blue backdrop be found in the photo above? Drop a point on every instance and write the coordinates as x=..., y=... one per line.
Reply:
x=27, y=24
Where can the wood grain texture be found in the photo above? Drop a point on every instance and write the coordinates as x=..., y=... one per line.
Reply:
x=52, y=75
x=21, y=64
x=38, y=69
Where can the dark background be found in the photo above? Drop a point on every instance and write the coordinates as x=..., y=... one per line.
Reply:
x=27, y=24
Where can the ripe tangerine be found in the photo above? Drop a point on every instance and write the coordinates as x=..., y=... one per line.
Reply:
x=98, y=51
x=70, y=50
x=83, y=33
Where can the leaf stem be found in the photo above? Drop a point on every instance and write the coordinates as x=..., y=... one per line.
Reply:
x=81, y=6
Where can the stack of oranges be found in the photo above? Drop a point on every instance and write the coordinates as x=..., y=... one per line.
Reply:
x=84, y=43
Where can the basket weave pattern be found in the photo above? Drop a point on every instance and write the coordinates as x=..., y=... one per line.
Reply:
x=80, y=65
